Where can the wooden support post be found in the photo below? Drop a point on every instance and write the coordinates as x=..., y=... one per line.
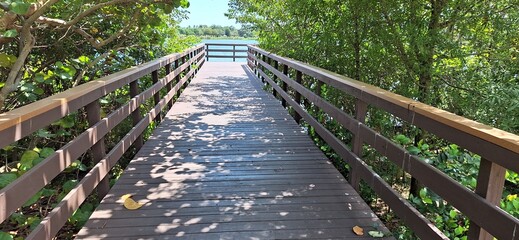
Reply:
x=297, y=97
x=361, y=108
x=276, y=66
x=234, y=53
x=284, y=85
x=491, y=180
x=93, y=111
x=318, y=87
x=169, y=86
x=136, y=115
x=206, y=52
x=263, y=58
x=156, y=96
x=177, y=78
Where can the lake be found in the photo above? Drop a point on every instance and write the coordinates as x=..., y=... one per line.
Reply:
x=229, y=41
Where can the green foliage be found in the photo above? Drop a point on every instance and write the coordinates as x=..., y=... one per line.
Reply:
x=5, y=236
x=217, y=31
x=6, y=178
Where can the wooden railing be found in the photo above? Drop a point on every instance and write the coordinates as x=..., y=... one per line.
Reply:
x=499, y=150
x=226, y=50
x=22, y=122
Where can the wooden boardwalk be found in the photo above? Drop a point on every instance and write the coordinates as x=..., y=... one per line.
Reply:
x=228, y=162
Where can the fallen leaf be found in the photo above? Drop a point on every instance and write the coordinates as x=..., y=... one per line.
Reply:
x=131, y=204
x=376, y=234
x=125, y=196
x=358, y=230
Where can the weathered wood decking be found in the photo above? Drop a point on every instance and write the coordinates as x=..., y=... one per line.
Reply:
x=228, y=162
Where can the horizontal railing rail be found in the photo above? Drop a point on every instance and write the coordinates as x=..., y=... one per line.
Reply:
x=19, y=123
x=499, y=150
x=222, y=48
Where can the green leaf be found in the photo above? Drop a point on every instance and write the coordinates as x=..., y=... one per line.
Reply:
x=44, y=134
x=33, y=199
x=19, y=7
x=5, y=236
x=413, y=150
x=26, y=162
x=38, y=91
x=69, y=185
x=83, y=59
x=459, y=230
x=48, y=192
x=46, y=152
x=19, y=218
x=453, y=214
x=10, y=33
x=33, y=222
x=7, y=60
x=6, y=178
x=39, y=77
x=376, y=234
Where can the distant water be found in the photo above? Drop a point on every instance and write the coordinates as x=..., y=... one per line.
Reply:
x=229, y=41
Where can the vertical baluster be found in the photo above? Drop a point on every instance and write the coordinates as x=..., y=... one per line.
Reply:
x=275, y=78
x=177, y=78
x=93, y=111
x=361, y=108
x=234, y=53
x=136, y=115
x=284, y=85
x=297, y=97
x=264, y=59
x=169, y=86
x=491, y=180
x=156, y=96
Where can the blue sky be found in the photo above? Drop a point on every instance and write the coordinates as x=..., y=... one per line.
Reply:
x=208, y=12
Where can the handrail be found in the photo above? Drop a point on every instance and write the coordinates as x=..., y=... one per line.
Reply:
x=234, y=56
x=23, y=121
x=499, y=149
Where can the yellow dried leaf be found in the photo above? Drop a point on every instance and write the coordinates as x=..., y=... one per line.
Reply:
x=358, y=230
x=125, y=196
x=131, y=204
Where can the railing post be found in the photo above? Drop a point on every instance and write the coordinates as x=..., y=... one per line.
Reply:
x=156, y=96
x=284, y=85
x=491, y=180
x=297, y=97
x=177, y=78
x=263, y=58
x=234, y=53
x=361, y=108
x=169, y=86
x=206, y=52
x=93, y=111
x=275, y=77
x=136, y=115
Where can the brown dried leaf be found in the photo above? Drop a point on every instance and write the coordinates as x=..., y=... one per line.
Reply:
x=358, y=230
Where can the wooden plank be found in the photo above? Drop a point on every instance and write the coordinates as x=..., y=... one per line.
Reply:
x=222, y=160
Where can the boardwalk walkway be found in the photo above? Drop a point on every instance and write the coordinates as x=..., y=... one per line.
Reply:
x=228, y=162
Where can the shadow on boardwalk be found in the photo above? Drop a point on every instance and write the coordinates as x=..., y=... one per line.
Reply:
x=228, y=162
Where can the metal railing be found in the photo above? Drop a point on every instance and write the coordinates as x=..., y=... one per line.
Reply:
x=19, y=123
x=226, y=50
x=292, y=81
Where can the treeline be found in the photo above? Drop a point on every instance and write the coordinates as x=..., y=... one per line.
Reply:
x=461, y=56
x=217, y=31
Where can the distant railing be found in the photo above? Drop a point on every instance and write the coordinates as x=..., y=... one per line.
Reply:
x=21, y=122
x=499, y=150
x=226, y=50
